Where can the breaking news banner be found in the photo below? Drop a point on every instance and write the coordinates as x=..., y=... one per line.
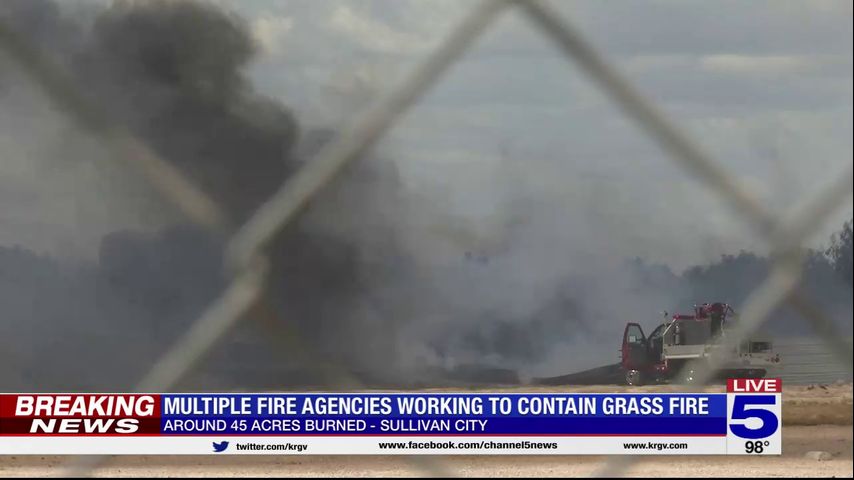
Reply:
x=745, y=420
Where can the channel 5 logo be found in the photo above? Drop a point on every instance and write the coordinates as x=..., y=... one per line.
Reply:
x=755, y=410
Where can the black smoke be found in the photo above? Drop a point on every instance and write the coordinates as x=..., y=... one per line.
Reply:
x=175, y=74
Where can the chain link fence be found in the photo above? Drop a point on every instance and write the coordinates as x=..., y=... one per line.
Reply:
x=246, y=256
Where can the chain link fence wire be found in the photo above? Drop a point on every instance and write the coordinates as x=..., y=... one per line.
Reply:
x=66, y=97
x=246, y=258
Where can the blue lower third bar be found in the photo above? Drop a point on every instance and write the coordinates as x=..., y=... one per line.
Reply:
x=417, y=425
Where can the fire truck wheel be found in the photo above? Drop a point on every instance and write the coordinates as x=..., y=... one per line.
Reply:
x=634, y=378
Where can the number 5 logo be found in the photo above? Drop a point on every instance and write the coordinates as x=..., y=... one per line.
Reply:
x=770, y=423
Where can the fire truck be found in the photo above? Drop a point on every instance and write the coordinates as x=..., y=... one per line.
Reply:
x=680, y=348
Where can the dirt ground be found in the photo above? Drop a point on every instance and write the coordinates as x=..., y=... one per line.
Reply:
x=815, y=418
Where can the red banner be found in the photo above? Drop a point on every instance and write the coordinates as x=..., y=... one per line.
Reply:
x=79, y=414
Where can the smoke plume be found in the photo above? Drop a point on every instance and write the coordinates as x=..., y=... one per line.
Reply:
x=371, y=277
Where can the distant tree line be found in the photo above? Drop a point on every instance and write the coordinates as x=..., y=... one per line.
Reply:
x=826, y=280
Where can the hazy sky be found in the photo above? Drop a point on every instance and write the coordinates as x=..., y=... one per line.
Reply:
x=764, y=86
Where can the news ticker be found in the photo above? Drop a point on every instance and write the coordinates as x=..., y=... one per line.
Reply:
x=744, y=420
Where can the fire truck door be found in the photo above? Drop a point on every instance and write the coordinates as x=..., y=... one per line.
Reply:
x=635, y=350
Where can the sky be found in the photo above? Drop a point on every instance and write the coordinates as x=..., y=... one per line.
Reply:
x=514, y=131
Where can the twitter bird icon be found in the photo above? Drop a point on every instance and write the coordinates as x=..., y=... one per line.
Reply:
x=220, y=447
